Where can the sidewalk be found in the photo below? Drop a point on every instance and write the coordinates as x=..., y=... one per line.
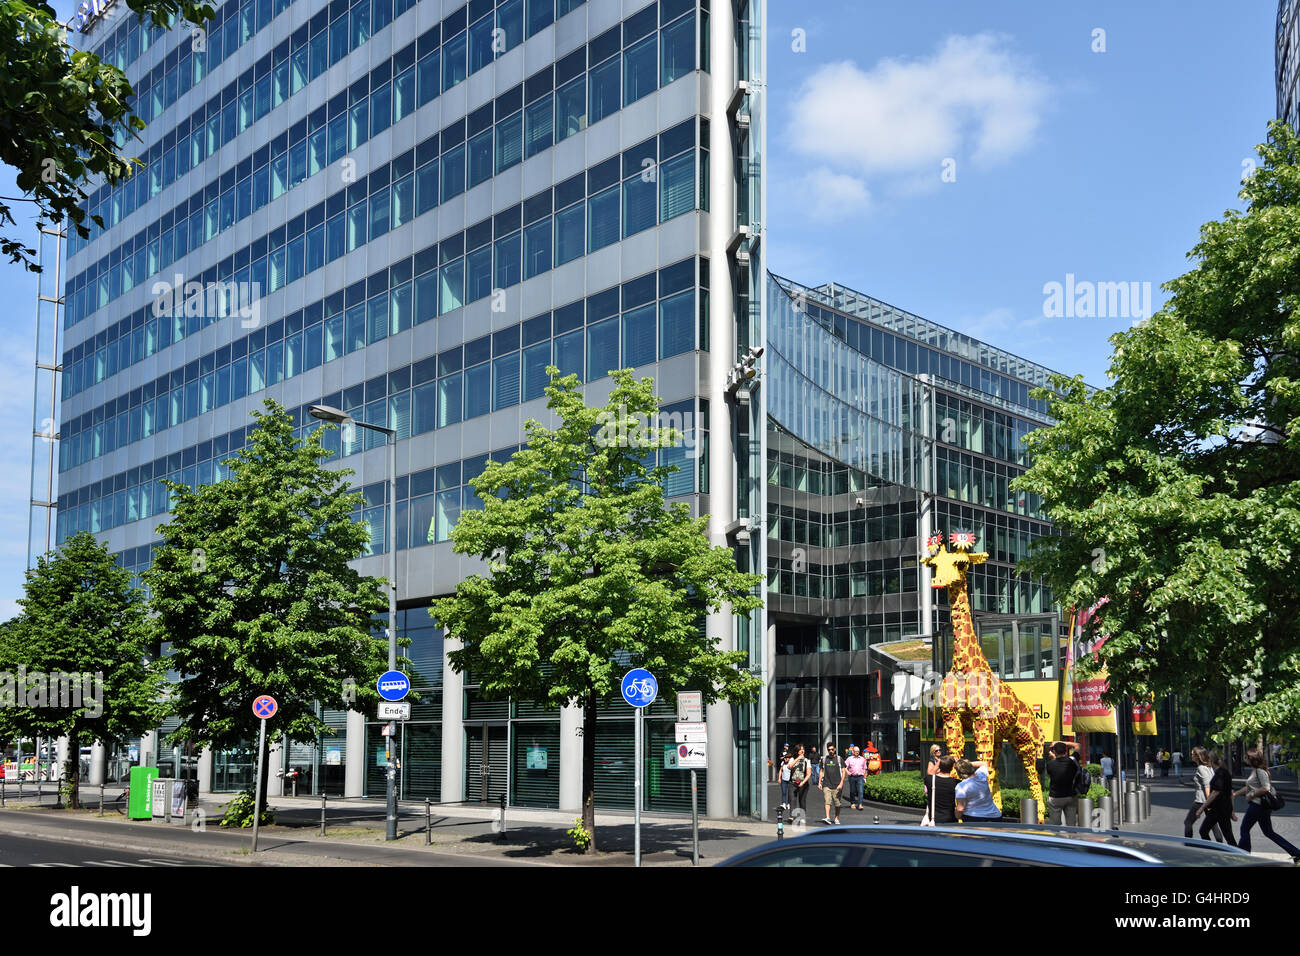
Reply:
x=468, y=835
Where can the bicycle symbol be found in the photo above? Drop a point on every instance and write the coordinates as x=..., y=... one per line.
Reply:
x=640, y=688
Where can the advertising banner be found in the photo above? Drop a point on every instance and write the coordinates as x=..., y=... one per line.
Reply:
x=1040, y=696
x=1087, y=712
x=1144, y=719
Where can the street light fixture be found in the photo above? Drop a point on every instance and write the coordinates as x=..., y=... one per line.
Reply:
x=328, y=413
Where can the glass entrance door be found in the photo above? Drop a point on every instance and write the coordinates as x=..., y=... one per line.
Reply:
x=487, y=761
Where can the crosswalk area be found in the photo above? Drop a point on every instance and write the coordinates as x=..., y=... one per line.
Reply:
x=144, y=862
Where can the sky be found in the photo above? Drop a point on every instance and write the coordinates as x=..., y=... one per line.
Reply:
x=952, y=159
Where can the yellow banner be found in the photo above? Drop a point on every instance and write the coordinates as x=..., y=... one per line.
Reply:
x=1042, y=697
x=1144, y=719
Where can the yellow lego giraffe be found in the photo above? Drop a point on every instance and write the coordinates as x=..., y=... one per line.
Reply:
x=970, y=695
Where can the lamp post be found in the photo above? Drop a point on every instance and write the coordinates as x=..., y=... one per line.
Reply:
x=327, y=413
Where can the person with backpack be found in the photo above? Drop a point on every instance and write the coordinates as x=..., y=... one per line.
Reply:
x=832, y=783
x=800, y=775
x=1063, y=776
x=1261, y=801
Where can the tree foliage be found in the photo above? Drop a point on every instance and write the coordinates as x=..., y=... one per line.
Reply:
x=81, y=617
x=62, y=111
x=1177, y=488
x=253, y=589
x=590, y=573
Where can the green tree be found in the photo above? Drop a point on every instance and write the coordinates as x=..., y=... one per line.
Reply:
x=1177, y=488
x=63, y=112
x=590, y=573
x=253, y=590
x=82, y=639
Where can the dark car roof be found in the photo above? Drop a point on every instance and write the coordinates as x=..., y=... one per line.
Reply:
x=1071, y=846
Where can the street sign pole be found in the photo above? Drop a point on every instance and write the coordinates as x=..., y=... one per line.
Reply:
x=257, y=801
x=637, y=809
x=695, y=820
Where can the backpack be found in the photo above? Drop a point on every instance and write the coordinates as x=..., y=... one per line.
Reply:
x=1082, y=781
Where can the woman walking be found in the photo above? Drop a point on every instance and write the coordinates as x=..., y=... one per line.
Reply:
x=1219, y=812
x=1258, y=790
x=800, y=775
x=1201, y=786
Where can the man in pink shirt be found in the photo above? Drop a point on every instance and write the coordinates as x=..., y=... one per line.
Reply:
x=855, y=768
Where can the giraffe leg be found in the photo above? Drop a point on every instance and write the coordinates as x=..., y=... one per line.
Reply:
x=984, y=751
x=953, y=731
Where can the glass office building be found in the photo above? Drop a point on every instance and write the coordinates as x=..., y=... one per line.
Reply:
x=1287, y=62
x=408, y=209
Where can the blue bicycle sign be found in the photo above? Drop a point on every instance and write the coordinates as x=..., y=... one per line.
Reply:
x=640, y=687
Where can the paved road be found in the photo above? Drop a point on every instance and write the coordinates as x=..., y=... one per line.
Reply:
x=25, y=851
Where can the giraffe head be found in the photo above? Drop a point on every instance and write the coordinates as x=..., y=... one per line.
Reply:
x=950, y=567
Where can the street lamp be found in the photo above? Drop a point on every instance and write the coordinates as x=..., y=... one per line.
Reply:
x=327, y=413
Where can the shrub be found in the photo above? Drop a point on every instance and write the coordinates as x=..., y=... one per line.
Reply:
x=239, y=812
x=902, y=787
x=580, y=835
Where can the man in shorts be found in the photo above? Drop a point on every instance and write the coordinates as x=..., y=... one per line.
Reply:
x=832, y=783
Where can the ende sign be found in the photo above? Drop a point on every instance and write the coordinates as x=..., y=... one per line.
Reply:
x=89, y=13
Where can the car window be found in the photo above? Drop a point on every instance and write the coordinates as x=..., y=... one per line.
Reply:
x=908, y=856
x=819, y=855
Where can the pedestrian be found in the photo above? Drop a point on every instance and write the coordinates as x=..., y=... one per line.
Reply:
x=1164, y=763
x=1062, y=773
x=932, y=766
x=1178, y=764
x=800, y=776
x=856, y=770
x=785, y=778
x=1259, y=805
x=1148, y=763
x=816, y=768
x=1107, y=767
x=1201, y=785
x=942, y=791
x=972, y=800
x=832, y=783
x=1219, y=811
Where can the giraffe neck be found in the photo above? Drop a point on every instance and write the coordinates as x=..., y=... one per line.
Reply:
x=966, y=653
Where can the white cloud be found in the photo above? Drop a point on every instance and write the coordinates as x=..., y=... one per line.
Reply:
x=971, y=100
x=825, y=196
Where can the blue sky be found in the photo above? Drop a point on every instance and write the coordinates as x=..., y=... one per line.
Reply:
x=1060, y=160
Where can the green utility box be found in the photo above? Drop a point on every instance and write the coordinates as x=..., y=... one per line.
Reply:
x=139, y=805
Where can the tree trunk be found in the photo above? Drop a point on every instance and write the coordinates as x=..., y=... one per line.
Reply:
x=589, y=768
x=73, y=768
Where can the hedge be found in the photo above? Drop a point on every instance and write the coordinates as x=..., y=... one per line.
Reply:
x=904, y=788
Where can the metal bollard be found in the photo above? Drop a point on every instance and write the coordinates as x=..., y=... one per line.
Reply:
x=875, y=819
x=2, y=789
x=1108, y=812
x=323, y=798
x=428, y=822
x=1086, y=807
x=1146, y=802
x=101, y=799
x=1131, y=803
x=502, y=837
x=1028, y=810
